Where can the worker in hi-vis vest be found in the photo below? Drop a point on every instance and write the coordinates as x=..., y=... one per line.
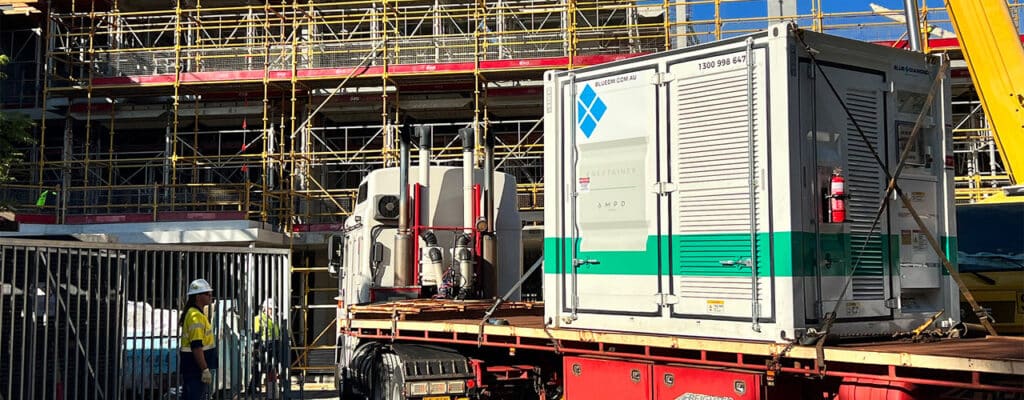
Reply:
x=198, y=354
x=45, y=196
x=266, y=329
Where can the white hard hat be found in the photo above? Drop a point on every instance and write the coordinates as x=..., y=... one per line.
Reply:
x=269, y=303
x=199, y=286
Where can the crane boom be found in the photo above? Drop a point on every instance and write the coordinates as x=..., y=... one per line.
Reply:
x=995, y=58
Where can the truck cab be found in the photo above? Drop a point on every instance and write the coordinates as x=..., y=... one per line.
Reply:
x=365, y=253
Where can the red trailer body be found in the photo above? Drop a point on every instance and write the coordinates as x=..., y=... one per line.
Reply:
x=594, y=365
x=683, y=382
x=603, y=378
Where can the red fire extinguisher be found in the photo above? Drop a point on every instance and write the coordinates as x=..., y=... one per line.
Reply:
x=837, y=197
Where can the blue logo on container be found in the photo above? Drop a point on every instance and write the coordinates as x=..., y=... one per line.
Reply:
x=589, y=110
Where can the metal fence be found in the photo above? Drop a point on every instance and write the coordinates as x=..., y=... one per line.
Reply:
x=100, y=321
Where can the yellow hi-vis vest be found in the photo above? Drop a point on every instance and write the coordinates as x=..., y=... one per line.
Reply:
x=196, y=328
x=266, y=328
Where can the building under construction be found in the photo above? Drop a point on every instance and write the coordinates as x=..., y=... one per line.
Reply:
x=224, y=122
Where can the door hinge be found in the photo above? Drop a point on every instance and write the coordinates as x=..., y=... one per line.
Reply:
x=666, y=299
x=661, y=78
x=664, y=188
x=892, y=303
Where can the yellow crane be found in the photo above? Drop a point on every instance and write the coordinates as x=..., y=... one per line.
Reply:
x=991, y=254
x=995, y=58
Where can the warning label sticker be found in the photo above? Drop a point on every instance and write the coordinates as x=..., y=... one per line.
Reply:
x=584, y=184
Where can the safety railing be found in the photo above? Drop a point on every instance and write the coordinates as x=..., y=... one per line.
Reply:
x=102, y=321
x=980, y=170
x=146, y=202
x=325, y=206
x=530, y=196
x=149, y=203
x=975, y=188
x=30, y=199
x=152, y=199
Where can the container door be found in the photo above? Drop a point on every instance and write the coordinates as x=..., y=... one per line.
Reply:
x=854, y=259
x=721, y=267
x=613, y=224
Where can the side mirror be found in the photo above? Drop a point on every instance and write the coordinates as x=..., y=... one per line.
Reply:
x=335, y=253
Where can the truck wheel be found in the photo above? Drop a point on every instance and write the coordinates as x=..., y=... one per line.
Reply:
x=339, y=383
x=391, y=380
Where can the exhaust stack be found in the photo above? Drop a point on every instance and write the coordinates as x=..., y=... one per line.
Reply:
x=424, y=134
x=465, y=254
x=489, y=245
x=403, y=240
x=467, y=178
x=913, y=25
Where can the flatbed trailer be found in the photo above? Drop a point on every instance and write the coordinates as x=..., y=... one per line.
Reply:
x=990, y=367
x=764, y=217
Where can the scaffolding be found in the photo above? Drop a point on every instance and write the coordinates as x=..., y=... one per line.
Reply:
x=273, y=112
x=980, y=171
x=283, y=102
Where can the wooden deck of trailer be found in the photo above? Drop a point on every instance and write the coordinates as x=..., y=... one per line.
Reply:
x=990, y=363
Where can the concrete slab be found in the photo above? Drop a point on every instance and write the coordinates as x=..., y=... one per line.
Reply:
x=233, y=232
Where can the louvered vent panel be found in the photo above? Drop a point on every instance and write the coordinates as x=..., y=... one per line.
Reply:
x=714, y=195
x=866, y=184
x=712, y=154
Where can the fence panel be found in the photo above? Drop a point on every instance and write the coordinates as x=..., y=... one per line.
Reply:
x=100, y=321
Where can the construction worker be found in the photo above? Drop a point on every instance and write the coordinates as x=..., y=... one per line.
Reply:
x=198, y=355
x=45, y=195
x=267, y=338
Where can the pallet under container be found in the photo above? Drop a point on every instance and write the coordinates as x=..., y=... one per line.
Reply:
x=514, y=347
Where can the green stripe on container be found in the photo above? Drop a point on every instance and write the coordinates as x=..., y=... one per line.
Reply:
x=950, y=246
x=689, y=261
x=612, y=262
x=702, y=255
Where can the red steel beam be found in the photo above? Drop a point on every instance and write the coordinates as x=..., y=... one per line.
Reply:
x=362, y=72
x=934, y=44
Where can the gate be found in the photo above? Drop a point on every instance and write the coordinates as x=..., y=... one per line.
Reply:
x=100, y=321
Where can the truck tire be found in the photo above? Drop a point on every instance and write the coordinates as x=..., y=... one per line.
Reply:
x=343, y=389
x=390, y=378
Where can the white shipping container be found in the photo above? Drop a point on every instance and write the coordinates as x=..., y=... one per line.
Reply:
x=686, y=191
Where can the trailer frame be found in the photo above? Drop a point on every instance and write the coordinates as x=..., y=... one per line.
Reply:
x=934, y=364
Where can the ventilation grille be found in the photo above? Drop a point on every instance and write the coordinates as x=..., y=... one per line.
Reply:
x=715, y=196
x=713, y=146
x=865, y=183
